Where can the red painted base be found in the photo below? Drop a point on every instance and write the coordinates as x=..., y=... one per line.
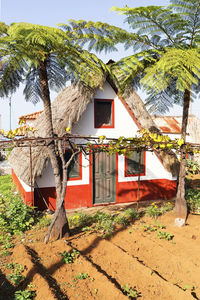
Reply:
x=76, y=197
x=149, y=190
x=28, y=197
x=81, y=196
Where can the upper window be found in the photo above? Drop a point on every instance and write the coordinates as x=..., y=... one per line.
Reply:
x=135, y=164
x=74, y=169
x=103, y=113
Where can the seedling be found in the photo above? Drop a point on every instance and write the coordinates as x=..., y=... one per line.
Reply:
x=7, y=245
x=165, y=235
x=11, y=266
x=95, y=291
x=16, y=277
x=130, y=292
x=188, y=287
x=152, y=228
x=82, y=275
x=5, y=253
x=151, y=272
x=24, y=295
x=70, y=257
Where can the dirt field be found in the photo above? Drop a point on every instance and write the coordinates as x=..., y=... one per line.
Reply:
x=155, y=268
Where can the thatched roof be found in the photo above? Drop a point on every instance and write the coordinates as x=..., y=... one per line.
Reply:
x=67, y=110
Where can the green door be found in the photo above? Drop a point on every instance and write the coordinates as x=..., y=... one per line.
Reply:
x=103, y=178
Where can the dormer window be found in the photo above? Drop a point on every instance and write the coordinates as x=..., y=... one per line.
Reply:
x=103, y=113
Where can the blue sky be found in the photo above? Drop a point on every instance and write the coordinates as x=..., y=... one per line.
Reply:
x=51, y=12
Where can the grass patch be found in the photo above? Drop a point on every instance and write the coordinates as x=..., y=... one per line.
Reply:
x=102, y=222
x=154, y=211
x=105, y=224
x=15, y=216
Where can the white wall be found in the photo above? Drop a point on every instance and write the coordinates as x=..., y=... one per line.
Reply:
x=124, y=125
x=154, y=169
x=26, y=187
x=47, y=179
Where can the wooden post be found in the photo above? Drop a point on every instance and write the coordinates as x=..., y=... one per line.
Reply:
x=31, y=177
x=138, y=191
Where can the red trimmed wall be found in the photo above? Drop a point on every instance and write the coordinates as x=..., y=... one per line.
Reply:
x=28, y=197
x=81, y=196
x=76, y=197
x=149, y=190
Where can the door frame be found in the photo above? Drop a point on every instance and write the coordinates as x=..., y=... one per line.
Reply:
x=115, y=167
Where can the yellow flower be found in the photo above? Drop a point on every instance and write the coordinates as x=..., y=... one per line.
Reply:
x=156, y=206
x=153, y=203
x=117, y=212
x=168, y=203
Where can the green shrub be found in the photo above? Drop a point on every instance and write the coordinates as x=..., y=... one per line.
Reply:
x=79, y=220
x=153, y=211
x=104, y=223
x=166, y=207
x=99, y=216
x=121, y=220
x=44, y=221
x=105, y=226
x=15, y=216
x=192, y=167
x=192, y=197
x=131, y=213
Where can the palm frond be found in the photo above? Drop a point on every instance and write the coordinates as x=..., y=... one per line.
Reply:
x=189, y=10
x=153, y=20
x=175, y=63
x=98, y=36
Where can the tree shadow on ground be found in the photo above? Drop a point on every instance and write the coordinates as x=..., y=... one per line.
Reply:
x=7, y=290
x=45, y=273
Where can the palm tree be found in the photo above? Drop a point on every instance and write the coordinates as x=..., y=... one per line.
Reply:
x=166, y=59
x=44, y=58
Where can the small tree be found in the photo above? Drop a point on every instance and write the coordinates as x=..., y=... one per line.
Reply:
x=44, y=58
x=166, y=60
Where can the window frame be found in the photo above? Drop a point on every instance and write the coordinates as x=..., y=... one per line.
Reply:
x=79, y=177
x=126, y=174
x=96, y=100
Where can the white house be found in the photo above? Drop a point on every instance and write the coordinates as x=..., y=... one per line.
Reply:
x=96, y=178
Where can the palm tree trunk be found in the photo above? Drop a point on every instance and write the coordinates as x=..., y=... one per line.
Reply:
x=61, y=227
x=181, y=206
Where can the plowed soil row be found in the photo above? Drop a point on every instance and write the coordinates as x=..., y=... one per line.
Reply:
x=155, y=268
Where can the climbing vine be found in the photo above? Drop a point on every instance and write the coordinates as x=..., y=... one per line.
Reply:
x=145, y=140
